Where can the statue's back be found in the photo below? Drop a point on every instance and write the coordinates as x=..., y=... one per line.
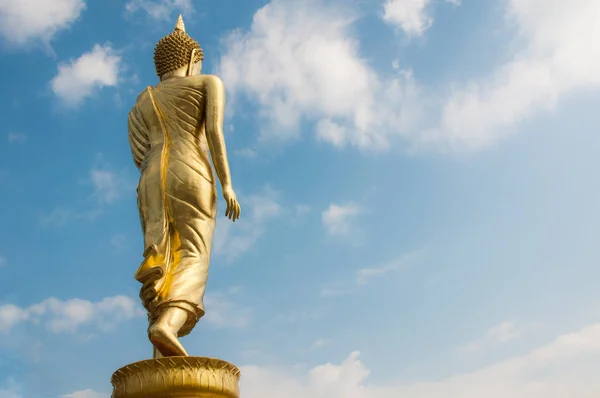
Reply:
x=176, y=195
x=173, y=110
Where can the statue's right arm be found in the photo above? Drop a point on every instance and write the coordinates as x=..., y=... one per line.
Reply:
x=138, y=137
x=215, y=109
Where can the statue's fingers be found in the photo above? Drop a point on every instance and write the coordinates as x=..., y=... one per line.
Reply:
x=234, y=212
x=238, y=210
x=231, y=208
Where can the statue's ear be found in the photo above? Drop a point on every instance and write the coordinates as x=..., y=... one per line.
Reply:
x=191, y=63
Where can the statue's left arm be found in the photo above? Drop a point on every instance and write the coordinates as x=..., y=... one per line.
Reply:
x=215, y=108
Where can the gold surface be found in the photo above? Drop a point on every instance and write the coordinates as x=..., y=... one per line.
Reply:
x=177, y=377
x=175, y=128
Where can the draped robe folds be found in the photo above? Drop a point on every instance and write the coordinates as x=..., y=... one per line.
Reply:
x=176, y=197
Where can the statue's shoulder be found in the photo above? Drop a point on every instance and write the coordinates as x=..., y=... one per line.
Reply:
x=204, y=82
x=140, y=98
x=142, y=95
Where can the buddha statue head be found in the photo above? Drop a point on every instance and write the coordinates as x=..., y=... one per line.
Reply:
x=177, y=54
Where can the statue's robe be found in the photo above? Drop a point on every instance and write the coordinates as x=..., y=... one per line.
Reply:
x=176, y=196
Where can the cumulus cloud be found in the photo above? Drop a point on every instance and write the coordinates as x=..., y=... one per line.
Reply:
x=410, y=15
x=231, y=240
x=82, y=77
x=26, y=21
x=560, y=56
x=68, y=316
x=499, y=334
x=11, y=315
x=337, y=218
x=364, y=275
x=320, y=343
x=159, y=9
x=504, y=332
x=108, y=185
x=61, y=216
x=302, y=63
x=563, y=368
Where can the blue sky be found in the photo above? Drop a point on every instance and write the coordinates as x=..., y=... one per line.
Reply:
x=417, y=179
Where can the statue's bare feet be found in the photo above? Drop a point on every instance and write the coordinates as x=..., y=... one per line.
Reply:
x=165, y=341
x=163, y=333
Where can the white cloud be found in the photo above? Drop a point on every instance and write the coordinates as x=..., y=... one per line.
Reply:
x=302, y=62
x=560, y=56
x=499, y=334
x=26, y=21
x=69, y=315
x=320, y=343
x=11, y=315
x=564, y=368
x=61, y=216
x=2, y=261
x=231, y=240
x=221, y=312
x=366, y=274
x=363, y=275
x=248, y=153
x=337, y=218
x=58, y=217
x=159, y=9
x=410, y=15
x=82, y=77
x=15, y=137
x=504, y=332
x=108, y=185
x=87, y=394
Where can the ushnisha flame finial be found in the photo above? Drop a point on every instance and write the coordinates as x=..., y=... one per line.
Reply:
x=180, y=25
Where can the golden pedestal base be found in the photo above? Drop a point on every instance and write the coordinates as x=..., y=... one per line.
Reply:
x=177, y=377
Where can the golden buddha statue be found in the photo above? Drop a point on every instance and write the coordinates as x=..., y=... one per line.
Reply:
x=174, y=127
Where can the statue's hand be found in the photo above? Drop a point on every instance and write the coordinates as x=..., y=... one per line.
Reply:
x=233, y=207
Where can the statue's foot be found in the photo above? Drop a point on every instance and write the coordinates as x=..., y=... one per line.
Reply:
x=165, y=341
